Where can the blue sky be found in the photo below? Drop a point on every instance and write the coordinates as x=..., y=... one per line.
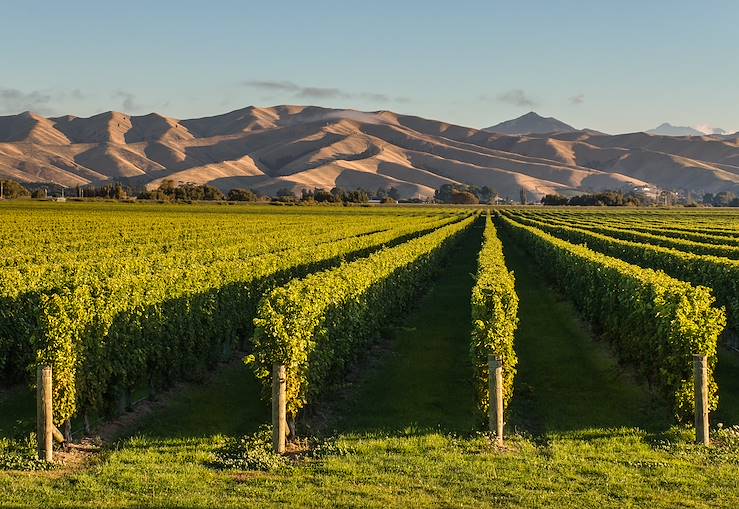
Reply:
x=614, y=66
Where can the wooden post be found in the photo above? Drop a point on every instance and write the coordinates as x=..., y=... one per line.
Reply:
x=68, y=430
x=86, y=420
x=44, y=415
x=128, y=399
x=495, y=387
x=152, y=389
x=700, y=368
x=58, y=436
x=279, y=414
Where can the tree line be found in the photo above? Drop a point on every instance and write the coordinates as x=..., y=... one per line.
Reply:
x=606, y=198
x=171, y=191
x=464, y=194
x=621, y=199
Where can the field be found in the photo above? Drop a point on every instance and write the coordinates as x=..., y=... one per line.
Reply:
x=162, y=324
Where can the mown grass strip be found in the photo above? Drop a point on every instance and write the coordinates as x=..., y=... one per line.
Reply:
x=655, y=322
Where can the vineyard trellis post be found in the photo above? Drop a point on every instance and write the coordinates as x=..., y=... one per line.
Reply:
x=495, y=408
x=279, y=413
x=700, y=368
x=44, y=414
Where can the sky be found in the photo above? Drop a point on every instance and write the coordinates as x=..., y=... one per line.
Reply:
x=613, y=66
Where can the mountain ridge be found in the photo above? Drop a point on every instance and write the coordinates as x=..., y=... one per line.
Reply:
x=530, y=123
x=304, y=147
x=667, y=129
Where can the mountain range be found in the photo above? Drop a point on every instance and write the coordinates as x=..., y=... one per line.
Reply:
x=668, y=129
x=300, y=147
x=531, y=123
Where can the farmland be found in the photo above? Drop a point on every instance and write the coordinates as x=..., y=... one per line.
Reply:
x=170, y=319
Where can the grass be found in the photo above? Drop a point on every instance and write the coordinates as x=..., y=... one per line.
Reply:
x=425, y=381
x=228, y=404
x=727, y=377
x=567, y=381
x=18, y=415
x=415, y=470
x=407, y=426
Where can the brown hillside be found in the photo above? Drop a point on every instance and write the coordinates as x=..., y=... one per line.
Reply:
x=306, y=147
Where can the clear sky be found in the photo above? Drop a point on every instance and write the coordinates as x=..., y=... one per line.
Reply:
x=616, y=66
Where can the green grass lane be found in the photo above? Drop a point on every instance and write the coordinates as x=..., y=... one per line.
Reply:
x=566, y=380
x=422, y=380
x=727, y=377
x=228, y=403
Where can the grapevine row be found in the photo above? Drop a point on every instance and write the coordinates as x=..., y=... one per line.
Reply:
x=720, y=274
x=317, y=325
x=656, y=323
x=114, y=333
x=494, y=318
x=629, y=233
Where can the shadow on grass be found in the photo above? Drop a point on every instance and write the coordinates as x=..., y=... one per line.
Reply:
x=727, y=377
x=420, y=379
x=229, y=403
x=18, y=412
x=567, y=381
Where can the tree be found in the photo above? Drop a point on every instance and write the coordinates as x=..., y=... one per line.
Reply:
x=12, y=189
x=464, y=197
x=168, y=190
x=286, y=195
x=450, y=193
x=156, y=194
x=606, y=198
x=167, y=187
x=323, y=196
x=212, y=193
x=119, y=192
x=113, y=190
x=242, y=195
x=554, y=199
x=485, y=194
x=723, y=199
x=357, y=196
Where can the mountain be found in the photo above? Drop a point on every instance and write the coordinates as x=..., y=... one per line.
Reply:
x=531, y=123
x=667, y=129
x=305, y=147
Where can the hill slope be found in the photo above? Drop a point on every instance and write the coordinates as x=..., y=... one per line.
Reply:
x=299, y=147
x=667, y=129
x=531, y=123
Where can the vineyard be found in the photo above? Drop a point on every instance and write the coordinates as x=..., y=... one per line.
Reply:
x=410, y=355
